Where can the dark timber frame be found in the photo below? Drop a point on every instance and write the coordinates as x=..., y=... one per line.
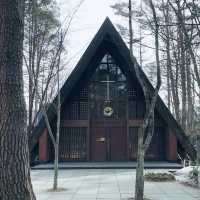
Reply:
x=108, y=40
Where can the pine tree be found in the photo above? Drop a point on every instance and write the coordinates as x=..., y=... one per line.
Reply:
x=15, y=180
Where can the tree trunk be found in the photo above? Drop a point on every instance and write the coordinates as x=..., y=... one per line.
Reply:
x=198, y=158
x=139, y=184
x=189, y=95
x=15, y=182
x=55, y=184
x=174, y=87
x=175, y=82
x=147, y=127
x=168, y=90
x=181, y=46
x=55, y=181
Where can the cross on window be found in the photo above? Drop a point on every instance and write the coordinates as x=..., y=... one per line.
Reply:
x=108, y=81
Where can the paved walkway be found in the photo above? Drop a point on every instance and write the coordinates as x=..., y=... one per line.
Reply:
x=105, y=184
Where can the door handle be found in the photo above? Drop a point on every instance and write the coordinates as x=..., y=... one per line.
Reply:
x=101, y=139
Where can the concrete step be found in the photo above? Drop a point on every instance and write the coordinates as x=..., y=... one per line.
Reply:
x=107, y=165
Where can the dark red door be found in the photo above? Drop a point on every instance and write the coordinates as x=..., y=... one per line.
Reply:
x=118, y=143
x=108, y=141
x=98, y=144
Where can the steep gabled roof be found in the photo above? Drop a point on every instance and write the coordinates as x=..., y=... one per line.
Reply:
x=107, y=34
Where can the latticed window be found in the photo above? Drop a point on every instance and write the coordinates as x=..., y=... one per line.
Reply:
x=83, y=95
x=74, y=110
x=73, y=144
x=136, y=104
x=83, y=110
x=131, y=93
x=155, y=150
x=77, y=107
x=77, y=110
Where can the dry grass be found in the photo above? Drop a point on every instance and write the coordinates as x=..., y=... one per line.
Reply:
x=159, y=177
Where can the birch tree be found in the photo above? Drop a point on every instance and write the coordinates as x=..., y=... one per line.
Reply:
x=146, y=130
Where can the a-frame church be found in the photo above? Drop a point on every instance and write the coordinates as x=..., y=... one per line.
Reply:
x=102, y=108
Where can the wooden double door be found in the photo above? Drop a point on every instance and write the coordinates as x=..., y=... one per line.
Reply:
x=108, y=140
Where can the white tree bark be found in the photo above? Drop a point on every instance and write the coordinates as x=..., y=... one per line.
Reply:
x=198, y=158
x=146, y=130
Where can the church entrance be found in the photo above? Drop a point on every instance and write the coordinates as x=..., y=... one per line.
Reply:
x=108, y=140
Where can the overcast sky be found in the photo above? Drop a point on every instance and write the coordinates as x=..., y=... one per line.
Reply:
x=85, y=25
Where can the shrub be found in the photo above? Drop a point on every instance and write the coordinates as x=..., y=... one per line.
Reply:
x=194, y=175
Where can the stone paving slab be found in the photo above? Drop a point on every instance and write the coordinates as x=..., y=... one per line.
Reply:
x=102, y=184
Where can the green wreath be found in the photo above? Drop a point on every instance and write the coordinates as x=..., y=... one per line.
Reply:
x=108, y=111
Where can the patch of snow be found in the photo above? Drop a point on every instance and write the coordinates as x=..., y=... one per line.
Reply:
x=183, y=175
x=184, y=171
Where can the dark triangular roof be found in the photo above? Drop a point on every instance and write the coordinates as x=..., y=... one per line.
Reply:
x=107, y=34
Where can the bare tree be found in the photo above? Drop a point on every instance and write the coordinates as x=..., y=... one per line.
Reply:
x=41, y=25
x=54, y=137
x=146, y=130
x=55, y=66
x=187, y=38
x=170, y=77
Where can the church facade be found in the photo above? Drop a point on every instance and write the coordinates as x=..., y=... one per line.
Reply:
x=102, y=108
